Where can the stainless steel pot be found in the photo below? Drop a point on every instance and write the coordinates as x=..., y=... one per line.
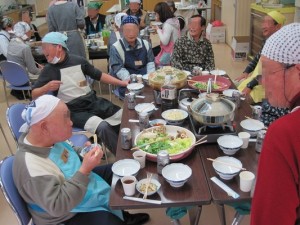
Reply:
x=185, y=98
x=212, y=110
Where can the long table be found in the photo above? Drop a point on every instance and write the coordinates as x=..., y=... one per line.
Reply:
x=199, y=190
x=194, y=193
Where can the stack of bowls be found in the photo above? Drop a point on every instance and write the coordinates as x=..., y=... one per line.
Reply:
x=230, y=144
x=176, y=174
x=224, y=170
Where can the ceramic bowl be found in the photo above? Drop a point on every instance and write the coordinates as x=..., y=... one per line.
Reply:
x=126, y=167
x=157, y=122
x=252, y=126
x=174, y=117
x=230, y=144
x=135, y=87
x=145, y=107
x=224, y=171
x=176, y=174
x=154, y=186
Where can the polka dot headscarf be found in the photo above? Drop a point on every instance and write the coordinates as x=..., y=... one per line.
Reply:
x=284, y=45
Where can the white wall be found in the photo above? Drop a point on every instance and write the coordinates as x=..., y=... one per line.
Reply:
x=6, y=3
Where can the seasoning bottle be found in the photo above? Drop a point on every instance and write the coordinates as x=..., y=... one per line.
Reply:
x=168, y=94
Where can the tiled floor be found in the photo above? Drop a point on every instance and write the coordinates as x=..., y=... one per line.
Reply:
x=209, y=214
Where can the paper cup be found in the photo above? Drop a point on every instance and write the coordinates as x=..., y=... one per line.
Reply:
x=246, y=180
x=128, y=183
x=140, y=156
x=245, y=136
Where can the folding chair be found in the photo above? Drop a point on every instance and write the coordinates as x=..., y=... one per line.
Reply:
x=11, y=193
x=17, y=77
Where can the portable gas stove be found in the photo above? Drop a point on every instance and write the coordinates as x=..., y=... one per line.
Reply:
x=212, y=132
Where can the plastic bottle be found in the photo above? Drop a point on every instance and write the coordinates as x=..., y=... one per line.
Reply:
x=168, y=94
x=105, y=34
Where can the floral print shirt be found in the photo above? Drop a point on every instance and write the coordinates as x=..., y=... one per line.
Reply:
x=189, y=53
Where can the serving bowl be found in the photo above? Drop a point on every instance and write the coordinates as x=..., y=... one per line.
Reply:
x=252, y=126
x=126, y=167
x=224, y=170
x=230, y=144
x=135, y=87
x=145, y=107
x=176, y=174
x=170, y=131
x=157, y=122
x=174, y=117
x=154, y=186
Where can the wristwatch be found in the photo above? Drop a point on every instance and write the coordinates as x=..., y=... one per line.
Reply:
x=252, y=83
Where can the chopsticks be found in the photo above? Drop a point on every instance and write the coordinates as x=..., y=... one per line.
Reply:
x=151, y=104
x=200, y=141
x=225, y=163
x=96, y=143
x=144, y=145
x=158, y=202
x=147, y=185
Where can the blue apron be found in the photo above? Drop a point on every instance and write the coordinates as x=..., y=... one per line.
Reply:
x=135, y=62
x=97, y=195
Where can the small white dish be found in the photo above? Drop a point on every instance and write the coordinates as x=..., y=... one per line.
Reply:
x=174, y=116
x=144, y=107
x=252, y=124
x=126, y=167
x=154, y=186
x=218, y=72
x=157, y=122
x=135, y=87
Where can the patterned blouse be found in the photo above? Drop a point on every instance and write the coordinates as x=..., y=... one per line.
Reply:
x=188, y=54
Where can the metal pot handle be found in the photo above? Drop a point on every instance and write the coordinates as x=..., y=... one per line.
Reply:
x=186, y=90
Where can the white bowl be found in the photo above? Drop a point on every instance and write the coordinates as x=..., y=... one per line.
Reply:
x=218, y=72
x=224, y=171
x=144, y=182
x=157, y=122
x=135, y=87
x=252, y=126
x=228, y=92
x=126, y=167
x=176, y=174
x=230, y=144
x=145, y=107
x=174, y=116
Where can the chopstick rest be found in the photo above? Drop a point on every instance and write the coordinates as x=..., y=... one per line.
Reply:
x=227, y=189
x=158, y=202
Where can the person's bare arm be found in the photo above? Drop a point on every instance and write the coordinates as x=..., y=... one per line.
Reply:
x=109, y=79
x=50, y=86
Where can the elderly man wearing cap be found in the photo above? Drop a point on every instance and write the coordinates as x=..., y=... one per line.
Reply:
x=276, y=198
x=95, y=21
x=65, y=76
x=49, y=175
x=135, y=10
x=130, y=55
x=272, y=22
x=6, y=24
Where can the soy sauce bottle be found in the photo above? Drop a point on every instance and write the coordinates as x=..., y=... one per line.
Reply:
x=168, y=94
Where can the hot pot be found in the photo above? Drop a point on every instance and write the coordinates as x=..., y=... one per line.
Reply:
x=212, y=110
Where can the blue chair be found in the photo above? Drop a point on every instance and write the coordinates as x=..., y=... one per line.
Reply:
x=15, y=121
x=11, y=193
x=17, y=77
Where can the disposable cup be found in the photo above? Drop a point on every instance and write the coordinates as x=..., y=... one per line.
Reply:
x=140, y=156
x=245, y=136
x=128, y=183
x=246, y=180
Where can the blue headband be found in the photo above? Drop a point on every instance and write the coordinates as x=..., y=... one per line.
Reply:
x=130, y=19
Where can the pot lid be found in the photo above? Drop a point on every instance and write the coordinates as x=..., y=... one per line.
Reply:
x=213, y=105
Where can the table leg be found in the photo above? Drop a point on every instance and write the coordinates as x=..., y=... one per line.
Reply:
x=194, y=214
x=221, y=211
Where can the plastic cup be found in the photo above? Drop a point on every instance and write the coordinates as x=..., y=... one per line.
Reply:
x=246, y=181
x=245, y=136
x=128, y=183
x=140, y=156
